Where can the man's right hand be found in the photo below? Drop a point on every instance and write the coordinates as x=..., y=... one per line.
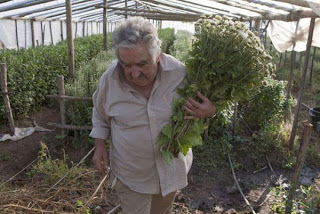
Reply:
x=100, y=158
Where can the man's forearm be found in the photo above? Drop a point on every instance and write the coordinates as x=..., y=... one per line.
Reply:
x=99, y=142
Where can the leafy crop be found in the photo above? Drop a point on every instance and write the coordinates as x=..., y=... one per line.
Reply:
x=182, y=45
x=86, y=82
x=167, y=37
x=32, y=72
x=268, y=106
x=227, y=63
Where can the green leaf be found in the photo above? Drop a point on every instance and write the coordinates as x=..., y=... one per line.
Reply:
x=167, y=131
x=168, y=156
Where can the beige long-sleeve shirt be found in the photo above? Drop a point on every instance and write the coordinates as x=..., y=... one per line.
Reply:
x=133, y=124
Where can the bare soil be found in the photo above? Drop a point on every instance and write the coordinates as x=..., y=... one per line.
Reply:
x=207, y=192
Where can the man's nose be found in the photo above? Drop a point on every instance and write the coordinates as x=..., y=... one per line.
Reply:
x=135, y=72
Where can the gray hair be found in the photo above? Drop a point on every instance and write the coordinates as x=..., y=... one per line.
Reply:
x=134, y=31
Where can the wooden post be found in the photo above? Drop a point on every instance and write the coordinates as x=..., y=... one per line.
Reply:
x=43, y=30
x=50, y=26
x=83, y=29
x=303, y=82
x=25, y=33
x=285, y=59
x=280, y=60
x=61, y=92
x=265, y=38
x=299, y=164
x=235, y=118
x=300, y=60
x=70, y=39
x=6, y=97
x=17, y=38
x=292, y=65
x=105, y=35
x=87, y=28
x=61, y=30
x=126, y=7
x=75, y=34
x=257, y=26
x=312, y=64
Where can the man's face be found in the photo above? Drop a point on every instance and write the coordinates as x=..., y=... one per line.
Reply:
x=139, y=68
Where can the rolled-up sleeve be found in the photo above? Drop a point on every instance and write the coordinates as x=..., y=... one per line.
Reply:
x=100, y=128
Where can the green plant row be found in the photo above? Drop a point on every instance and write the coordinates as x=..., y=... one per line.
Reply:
x=80, y=113
x=182, y=45
x=32, y=72
x=167, y=37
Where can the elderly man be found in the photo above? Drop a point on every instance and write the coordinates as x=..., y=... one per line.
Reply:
x=131, y=106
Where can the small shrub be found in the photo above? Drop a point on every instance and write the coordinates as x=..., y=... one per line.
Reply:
x=182, y=45
x=167, y=37
x=32, y=72
x=86, y=82
x=52, y=170
x=305, y=201
x=269, y=105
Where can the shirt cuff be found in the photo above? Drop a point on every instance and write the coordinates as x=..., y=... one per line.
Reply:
x=100, y=133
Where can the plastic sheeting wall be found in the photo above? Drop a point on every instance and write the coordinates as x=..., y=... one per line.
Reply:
x=9, y=38
x=282, y=34
x=188, y=26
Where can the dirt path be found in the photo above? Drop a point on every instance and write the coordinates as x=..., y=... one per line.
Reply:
x=14, y=156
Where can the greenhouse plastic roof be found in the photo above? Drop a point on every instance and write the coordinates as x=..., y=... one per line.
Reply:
x=179, y=10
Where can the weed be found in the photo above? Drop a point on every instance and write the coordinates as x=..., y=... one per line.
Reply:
x=5, y=156
x=51, y=170
x=305, y=200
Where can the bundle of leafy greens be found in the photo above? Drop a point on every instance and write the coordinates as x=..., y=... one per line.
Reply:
x=227, y=63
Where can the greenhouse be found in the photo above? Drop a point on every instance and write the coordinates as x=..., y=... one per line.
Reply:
x=208, y=106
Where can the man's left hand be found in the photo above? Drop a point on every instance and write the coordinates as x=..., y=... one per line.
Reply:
x=203, y=110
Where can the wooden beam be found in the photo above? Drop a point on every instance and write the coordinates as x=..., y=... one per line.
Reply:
x=307, y=130
x=300, y=3
x=64, y=97
x=6, y=100
x=144, y=11
x=17, y=37
x=172, y=6
x=162, y=17
x=61, y=92
x=33, y=18
x=22, y=4
x=126, y=7
x=217, y=8
x=105, y=35
x=51, y=36
x=32, y=33
x=272, y=5
x=69, y=127
x=61, y=30
x=70, y=40
x=25, y=34
x=244, y=7
x=303, y=83
x=293, y=16
x=193, y=16
x=292, y=65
